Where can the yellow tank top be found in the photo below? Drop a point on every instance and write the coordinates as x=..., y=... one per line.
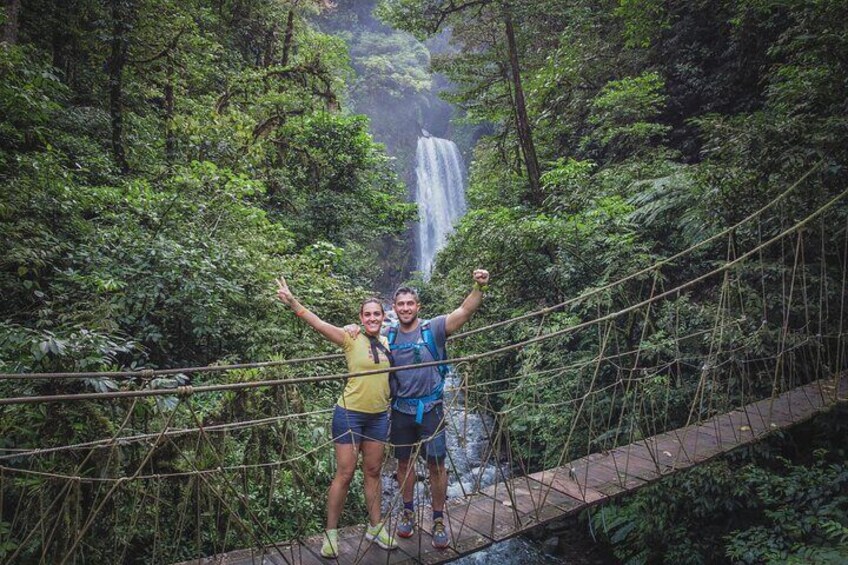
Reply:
x=368, y=393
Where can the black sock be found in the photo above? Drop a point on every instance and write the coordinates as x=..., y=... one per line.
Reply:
x=437, y=514
x=409, y=506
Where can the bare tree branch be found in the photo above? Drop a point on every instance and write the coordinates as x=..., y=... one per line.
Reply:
x=171, y=45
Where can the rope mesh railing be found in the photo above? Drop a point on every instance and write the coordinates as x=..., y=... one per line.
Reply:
x=187, y=482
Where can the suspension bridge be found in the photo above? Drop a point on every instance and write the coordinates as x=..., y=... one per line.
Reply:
x=678, y=363
x=511, y=507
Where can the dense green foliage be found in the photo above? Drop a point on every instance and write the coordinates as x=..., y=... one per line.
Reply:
x=162, y=161
x=178, y=253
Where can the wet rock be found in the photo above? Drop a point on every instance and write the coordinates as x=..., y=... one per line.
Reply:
x=551, y=546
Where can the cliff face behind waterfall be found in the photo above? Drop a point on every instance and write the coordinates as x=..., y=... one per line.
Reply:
x=395, y=86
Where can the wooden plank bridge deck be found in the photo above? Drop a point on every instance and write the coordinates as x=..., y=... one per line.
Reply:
x=509, y=508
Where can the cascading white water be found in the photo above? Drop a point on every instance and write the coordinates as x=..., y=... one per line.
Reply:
x=440, y=195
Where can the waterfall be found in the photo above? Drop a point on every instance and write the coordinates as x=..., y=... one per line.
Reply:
x=440, y=196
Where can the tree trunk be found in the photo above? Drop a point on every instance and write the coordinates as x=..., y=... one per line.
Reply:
x=270, y=44
x=287, y=40
x=10, y=29
x=522, y=123
x=117, y=62
x=170, y=141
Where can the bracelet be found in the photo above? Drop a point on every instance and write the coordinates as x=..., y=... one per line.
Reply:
x=302, y=312
x=481, y=287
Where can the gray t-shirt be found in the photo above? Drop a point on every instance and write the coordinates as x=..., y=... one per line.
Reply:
x=412, y=383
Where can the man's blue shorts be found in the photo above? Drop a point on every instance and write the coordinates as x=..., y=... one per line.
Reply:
x=350, y=426
x=406, y=434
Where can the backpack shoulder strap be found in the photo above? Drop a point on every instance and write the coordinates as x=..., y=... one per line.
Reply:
x=430, y=342
x=377, y=346
x=391, y=335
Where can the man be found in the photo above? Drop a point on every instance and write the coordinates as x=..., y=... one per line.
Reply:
x=417, y=408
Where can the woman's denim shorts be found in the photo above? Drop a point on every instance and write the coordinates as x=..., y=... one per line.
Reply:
x=350, y=426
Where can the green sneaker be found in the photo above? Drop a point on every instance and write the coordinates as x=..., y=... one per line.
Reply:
x=380, y=536
x=330, y=547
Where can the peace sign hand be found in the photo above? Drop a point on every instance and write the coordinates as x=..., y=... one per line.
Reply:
x=283, y=292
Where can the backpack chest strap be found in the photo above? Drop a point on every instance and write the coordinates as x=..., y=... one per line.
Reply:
x=420, y=402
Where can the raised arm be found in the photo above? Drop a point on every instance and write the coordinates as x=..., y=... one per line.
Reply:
x=458, y=317
x=331, y=332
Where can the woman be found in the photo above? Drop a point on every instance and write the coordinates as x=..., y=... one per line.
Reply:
x=360, y=418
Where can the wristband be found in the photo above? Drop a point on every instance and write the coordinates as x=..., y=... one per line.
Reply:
x=481, y=287
x=302, y=312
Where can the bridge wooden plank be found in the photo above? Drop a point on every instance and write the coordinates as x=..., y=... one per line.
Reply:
x=832, y=390
x=310, y=550
x=424, y=552
x=588, y=474
x=626, y=472
x=692, y=442
x=815, y=395
x=700, y=443
x=540, y=503
x=727, y=431
x=669, y=451
x=639, y=450
x=542, y=496
x=798, y=404
x=634, y=462
x=742, y=427
x=536, y=503
x=714, y=439
x=283, y=554
x=564, y=480
x=295, y=554
x=420, y=548
x=490, y=517
x=420, y=545
x=756, y=421
x=787, y=408
x=660, y=461
x=765, y=418
x=778, y=412
x=464, y=538
x=354, y=548
x=842, y=388
x=703, y=441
